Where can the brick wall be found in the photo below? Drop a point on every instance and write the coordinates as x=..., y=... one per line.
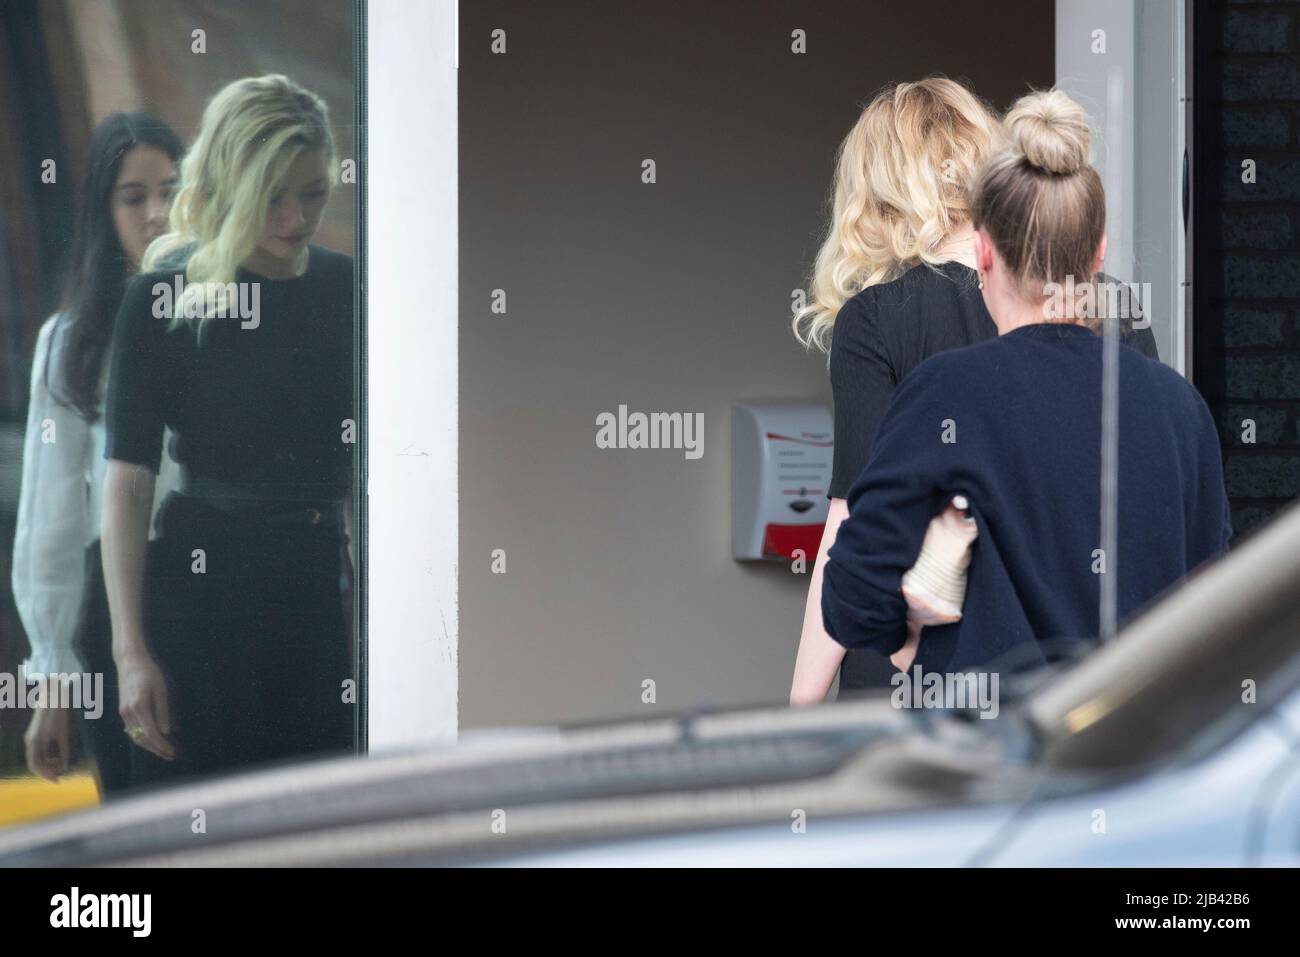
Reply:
x=1247, y=305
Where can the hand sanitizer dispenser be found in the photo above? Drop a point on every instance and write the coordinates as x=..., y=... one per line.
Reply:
x=780, y=471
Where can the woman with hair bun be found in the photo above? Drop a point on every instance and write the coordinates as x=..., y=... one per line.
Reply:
x=228, y=631
x=1014, y=425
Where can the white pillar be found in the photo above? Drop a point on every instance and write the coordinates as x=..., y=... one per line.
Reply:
x=412, y=367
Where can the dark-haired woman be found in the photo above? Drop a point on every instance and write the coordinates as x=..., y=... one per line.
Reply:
x=57, y=575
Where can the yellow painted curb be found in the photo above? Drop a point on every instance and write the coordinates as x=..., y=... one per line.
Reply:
x=30, y=799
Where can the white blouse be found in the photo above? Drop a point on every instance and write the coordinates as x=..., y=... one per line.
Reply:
x=59, y=510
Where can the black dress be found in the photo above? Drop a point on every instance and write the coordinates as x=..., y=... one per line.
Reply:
x=93, y=644
x=880, y=335
x=242, y=603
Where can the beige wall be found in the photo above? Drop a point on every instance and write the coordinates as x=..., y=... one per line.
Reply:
x=672, y=297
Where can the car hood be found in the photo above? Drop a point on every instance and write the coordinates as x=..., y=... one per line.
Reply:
x=501, y=793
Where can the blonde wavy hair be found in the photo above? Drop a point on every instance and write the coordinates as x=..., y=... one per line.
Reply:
x=901, y=185
x=252, y=131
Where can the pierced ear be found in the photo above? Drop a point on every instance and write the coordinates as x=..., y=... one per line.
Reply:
x=983, y=251
x=1101, y=255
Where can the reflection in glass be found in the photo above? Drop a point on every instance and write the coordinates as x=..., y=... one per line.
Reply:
x=208, y=421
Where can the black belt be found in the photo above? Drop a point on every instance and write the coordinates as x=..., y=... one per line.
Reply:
x=249, y=504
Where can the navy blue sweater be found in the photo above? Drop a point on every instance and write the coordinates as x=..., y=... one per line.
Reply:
x=1024, y=410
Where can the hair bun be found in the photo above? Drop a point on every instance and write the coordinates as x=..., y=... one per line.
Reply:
x=1051, y=131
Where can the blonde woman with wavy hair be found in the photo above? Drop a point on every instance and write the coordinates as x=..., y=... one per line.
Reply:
x=253, y=130
x=893, y=283
x=900, y=194
x=228, y=633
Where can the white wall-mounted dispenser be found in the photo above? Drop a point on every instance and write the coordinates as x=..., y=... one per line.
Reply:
x=781, y=453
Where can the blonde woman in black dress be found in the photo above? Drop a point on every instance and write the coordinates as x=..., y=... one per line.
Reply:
x=894, y=283
x=228, y=633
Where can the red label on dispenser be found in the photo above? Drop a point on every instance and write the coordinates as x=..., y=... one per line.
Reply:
x=781, y=541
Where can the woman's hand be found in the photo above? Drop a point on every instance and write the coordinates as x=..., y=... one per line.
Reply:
x=124, y=539
x=817, y=661
x=144, y=706
x=48, y=742
x=902, y=658
x=934, y=597
x=935, y=586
